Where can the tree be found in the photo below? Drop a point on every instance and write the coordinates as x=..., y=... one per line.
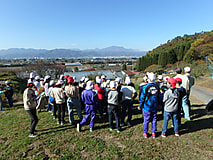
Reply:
x=124, y=67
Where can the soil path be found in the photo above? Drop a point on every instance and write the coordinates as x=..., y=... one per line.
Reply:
x=202, y=94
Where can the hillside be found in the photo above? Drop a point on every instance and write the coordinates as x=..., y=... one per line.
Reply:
x=189, y=48
x=68, y=53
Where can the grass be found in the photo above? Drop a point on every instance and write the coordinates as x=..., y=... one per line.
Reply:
x=64, y=142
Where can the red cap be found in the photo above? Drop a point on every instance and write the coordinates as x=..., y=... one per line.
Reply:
x=70, y=79
x=178, y=79
x=66, y=76
x=172, y=81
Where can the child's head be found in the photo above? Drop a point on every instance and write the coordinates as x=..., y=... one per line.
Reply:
x=171, y=82
x=89, y=85
x=70, y=80
x=113, y=85
x=178, y=81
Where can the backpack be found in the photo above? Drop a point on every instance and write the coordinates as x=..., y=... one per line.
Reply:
x=152, y=94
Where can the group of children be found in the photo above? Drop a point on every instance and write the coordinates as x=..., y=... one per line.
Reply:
x=101, y=95
x=171, y=94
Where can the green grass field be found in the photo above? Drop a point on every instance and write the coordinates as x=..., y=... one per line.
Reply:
x=64, y=142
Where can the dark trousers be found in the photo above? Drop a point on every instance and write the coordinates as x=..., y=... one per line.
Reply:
x=127, y=104
x=113, y=110
x=10, y=101
x=34, y=120
x=61, y=112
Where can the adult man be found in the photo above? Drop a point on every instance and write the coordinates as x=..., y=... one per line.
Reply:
x=187, y=82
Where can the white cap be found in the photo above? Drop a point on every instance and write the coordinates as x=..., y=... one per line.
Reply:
x=86, y=79
x=41, y=79
x=28, y=81
x=127, y=80
x=108, y=81
x=74, y=78
x=151, y=77
x=96, y=78
x=60, y=82
x=82, y=79
x=166, y=78
x=37, y=78
x=98, y=81
x=145, y=78
x=89, y=85
x=112, y=84
x=52, y=82
x=160, y=77
x=103, y=76
x=32, y=75
x=61, y=77
x=7, y=82
x=187, y=69
x=117, y=79
x=46, y=77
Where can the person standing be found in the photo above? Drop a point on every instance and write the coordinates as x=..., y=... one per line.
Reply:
x=2, y=96
x=72, y=92
x=8, y=91
x=90, y=99
x=128, y=95
x=30, y=99
x=112, y=100
x=171, y=100
x=100, y=93
x=59, y=96
x=187, y=82
x=150, y=100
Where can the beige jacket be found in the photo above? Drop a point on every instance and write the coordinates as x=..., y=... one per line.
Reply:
x=72, y=91
x=29, y=99
x=59, y=95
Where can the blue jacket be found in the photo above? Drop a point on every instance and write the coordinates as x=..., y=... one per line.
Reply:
x=89, y=97
x=150, y=97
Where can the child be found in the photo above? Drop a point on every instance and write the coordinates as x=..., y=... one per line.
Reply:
x=170, y=99
x=150, y=99
x=52, y=99
x=128, y=95
x=112, y=100
x=90, y=99
x=72, y=93
x=182, y=101
x=59, y=96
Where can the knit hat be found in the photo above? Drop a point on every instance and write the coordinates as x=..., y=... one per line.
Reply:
x=151, y=77
x=172, y=81
x=113, y=84
x=89, y=85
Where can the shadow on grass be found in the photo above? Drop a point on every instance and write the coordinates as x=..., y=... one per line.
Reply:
x=55, y=129
x=197, y=125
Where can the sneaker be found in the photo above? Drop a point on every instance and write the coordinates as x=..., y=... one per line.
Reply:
x=110, y=129
x=122, y=124
x=172, y=125
x=54, y=118
x=62, y=123
x=58, y=122
x=177, y=134
x=153, y=135
x=32, y=135
x=163, y=135
x=90, y=129
x=145, y=135
x=78, y=127
x=118, y=131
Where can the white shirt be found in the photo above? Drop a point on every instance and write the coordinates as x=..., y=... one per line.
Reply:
x=127, y=92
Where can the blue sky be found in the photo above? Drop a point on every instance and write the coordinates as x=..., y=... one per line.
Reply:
x=89, y=24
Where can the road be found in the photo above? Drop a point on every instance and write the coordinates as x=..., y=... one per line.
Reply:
x=202, y=94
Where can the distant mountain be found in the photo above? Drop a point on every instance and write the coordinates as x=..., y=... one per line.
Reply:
x=69, y=53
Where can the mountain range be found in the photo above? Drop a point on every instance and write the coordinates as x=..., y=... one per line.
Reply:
x=113, y=51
